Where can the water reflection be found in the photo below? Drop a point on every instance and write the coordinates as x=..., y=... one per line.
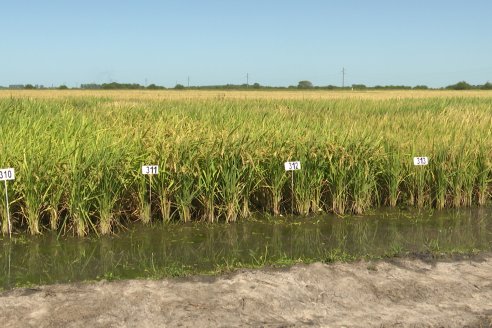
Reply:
x=164, y=250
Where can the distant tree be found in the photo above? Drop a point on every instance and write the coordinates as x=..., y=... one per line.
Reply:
x=421, y=87
x=304, y=85
x=155, y=87
x=256, y=85
x=116, y=86
x=359, y=86
x=29, y=87
x=486, y=86
x=62, y=87
x=460, y=86
x=90, y=86
x=179, y=87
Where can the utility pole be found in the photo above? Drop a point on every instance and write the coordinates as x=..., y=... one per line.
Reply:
x=343, y=77
x=188, y=81
x=247, y=80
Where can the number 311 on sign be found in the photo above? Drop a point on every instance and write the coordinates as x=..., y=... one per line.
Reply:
x=150, y=169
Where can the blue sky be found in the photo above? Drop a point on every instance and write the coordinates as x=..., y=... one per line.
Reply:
x=431, y=42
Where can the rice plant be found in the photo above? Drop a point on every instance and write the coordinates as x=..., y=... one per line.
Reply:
x=78, y=155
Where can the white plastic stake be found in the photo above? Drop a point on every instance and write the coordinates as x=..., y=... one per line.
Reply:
x=292, y=166
x=7, y=175
x=419, y=161
x=150, y=170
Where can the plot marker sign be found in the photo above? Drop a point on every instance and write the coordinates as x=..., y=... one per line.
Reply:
x=150, y=169
x=292, y=166
x=7, y=175
x=418, y=161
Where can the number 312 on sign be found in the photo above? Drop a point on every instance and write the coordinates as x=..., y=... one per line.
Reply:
x=292, y=166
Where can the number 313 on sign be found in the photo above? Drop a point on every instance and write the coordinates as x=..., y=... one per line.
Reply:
x=420, y=160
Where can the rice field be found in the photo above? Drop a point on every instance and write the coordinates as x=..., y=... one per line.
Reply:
x=78, y=155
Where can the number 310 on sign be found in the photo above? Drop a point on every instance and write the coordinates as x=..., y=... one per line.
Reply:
x=7, y=174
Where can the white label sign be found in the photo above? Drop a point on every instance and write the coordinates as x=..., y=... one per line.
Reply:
x=150, y=169
x=420, y=160
x=292, y=166
x=7, y=174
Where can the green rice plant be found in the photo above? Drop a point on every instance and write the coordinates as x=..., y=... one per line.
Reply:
x=440, y=174
x=462, y=178
x=469, y=180
x=54, y=200
x=317, y=178
x=417, y=182
x=251, y=183
x=34, y=189
x=144, y=195
x=81, y=193
x=208, y=184
x=309, y=181
x=106, y=202
x=274, y=179
x=364, y=176
x=300, y=192
x=338, y=178
x=484, y=175
x=392, y=175
x=185, y=193
x=77, y=157
x=165, y=185
x=231, y=185
x=111, y=185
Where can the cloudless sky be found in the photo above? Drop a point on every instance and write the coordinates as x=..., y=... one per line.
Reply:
x=278, y=42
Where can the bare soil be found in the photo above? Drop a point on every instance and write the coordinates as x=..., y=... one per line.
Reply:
x=402, y=292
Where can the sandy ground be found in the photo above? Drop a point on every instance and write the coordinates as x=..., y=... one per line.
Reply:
x=395, y=293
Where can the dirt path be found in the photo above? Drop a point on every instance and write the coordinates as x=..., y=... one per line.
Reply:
x=396, y=293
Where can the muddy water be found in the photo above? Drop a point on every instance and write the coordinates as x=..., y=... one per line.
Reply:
x=176, y=249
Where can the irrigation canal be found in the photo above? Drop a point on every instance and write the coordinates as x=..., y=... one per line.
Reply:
x=177, y=249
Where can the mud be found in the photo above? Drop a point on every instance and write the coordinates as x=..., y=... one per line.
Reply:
x=405, y=292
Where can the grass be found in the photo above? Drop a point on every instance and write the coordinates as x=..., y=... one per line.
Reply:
x=78, y=154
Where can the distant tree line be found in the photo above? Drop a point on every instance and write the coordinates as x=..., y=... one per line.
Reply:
x=465, y=86
x=303, y=85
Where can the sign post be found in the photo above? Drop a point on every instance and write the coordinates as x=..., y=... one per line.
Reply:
x=6, y=175
x=292, y=166
x=150, y=170
x=419, y=161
